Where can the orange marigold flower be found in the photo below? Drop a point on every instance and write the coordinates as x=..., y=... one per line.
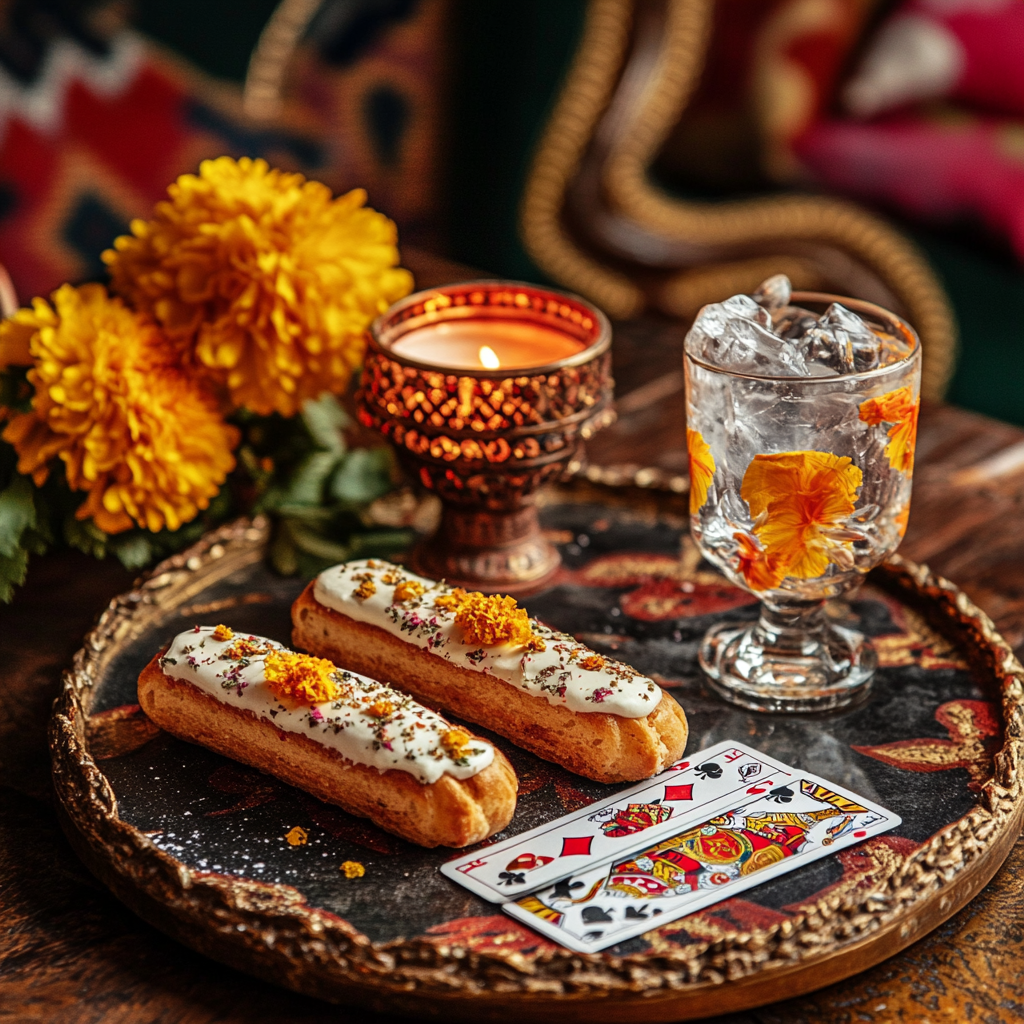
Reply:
x=300, y=678
x=367, y=588
x=145, y=441
x=265, y=281
x=352, y=869
x=702, y=469
x=407, y=589
x=490, y=619
x=898, y=408
x=760, y=570
x=592, y=663
x=795, y=498
x=223, y=632
x=380, y=709
x=455, y=741
x=902, y=518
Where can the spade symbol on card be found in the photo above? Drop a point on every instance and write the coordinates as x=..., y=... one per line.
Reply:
x=781, y=795
x=633, y=914
x=563, y=890
x=709, y=770
x=594, y=915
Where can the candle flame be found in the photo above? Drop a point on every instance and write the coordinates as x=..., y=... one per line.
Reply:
x=488, y=358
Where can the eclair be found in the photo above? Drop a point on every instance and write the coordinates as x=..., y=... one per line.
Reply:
x=485, y=660
x=341, y=736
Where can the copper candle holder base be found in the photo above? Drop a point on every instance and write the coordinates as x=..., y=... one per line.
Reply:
x=493, y=551
x=484, y=440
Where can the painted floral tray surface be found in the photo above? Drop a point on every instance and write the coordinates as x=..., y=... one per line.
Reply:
x=246, y=868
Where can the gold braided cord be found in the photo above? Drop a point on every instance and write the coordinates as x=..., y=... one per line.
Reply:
x=585, y=95
x=807, y=219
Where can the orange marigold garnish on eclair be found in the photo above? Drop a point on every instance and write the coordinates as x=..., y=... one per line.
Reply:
x=300, y=678
x=898, y=408
x=490, y=619
x=223, y=632
x=455, y=742
x=795, y=499
x=702, y=469
x=407, y=589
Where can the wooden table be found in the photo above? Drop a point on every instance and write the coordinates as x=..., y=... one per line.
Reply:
x=71, y=954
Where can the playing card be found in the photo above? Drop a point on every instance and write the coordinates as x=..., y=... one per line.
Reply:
x=682, y=794
x=753, y=841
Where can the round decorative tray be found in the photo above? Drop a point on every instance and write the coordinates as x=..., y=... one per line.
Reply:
x=246, y=869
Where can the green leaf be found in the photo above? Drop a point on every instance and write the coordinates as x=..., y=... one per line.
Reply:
x=363, y=476
x=12, y=573
x=283, y=553
x=326, y=421
x=85, y=535
x=312, y=542
x=307, y=485
x=17, y=514
x=133, y=550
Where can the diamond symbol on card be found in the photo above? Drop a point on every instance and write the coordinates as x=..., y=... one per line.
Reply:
x=576, y=845
x=679, y=792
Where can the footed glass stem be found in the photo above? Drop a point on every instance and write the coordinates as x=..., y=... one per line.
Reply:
x=791, y=659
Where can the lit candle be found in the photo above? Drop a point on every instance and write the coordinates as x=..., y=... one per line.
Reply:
x=486, y=344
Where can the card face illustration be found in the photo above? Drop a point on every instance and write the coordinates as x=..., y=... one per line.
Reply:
x=686, y=792
x=757, y=839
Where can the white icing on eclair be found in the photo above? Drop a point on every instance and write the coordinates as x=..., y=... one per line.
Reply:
x=406, y=737
x=365, y=591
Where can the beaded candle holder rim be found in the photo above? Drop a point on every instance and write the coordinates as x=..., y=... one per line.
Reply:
x=548, y=307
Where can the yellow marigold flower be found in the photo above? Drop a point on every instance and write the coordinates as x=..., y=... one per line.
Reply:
x=898, y=408
x=223, y=632
x=490, y=619
x=592, y=663
x=367, y=588
x=455, y=743
x=702, y=469
x=352, y=869
x=300, y=678
x=264, y=280
x=795, y=498
x=146, y=442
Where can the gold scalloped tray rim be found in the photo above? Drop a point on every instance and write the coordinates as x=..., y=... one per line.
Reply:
x=268, y=928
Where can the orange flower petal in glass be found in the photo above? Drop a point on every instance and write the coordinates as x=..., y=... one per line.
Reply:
x=702, y=469
x=795, y=499
x=759, y=570
x=898, y=408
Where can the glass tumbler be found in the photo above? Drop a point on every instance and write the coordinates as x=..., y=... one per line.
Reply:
x=799, y=486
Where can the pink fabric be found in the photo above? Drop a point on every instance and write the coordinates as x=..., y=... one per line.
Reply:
x=937, y=170
x=992, y=37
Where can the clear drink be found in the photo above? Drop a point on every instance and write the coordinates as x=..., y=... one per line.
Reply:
x=801, y=462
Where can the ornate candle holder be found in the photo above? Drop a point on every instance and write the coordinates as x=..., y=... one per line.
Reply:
x=484, y=440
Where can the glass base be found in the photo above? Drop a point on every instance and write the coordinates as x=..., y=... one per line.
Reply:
x=791, y=660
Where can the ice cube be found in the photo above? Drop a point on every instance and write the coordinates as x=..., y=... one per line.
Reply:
x=845, y=326
x=773, y=293
x=831, y=350
x=747, y=347
x=737, y=335
x=793, y=321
